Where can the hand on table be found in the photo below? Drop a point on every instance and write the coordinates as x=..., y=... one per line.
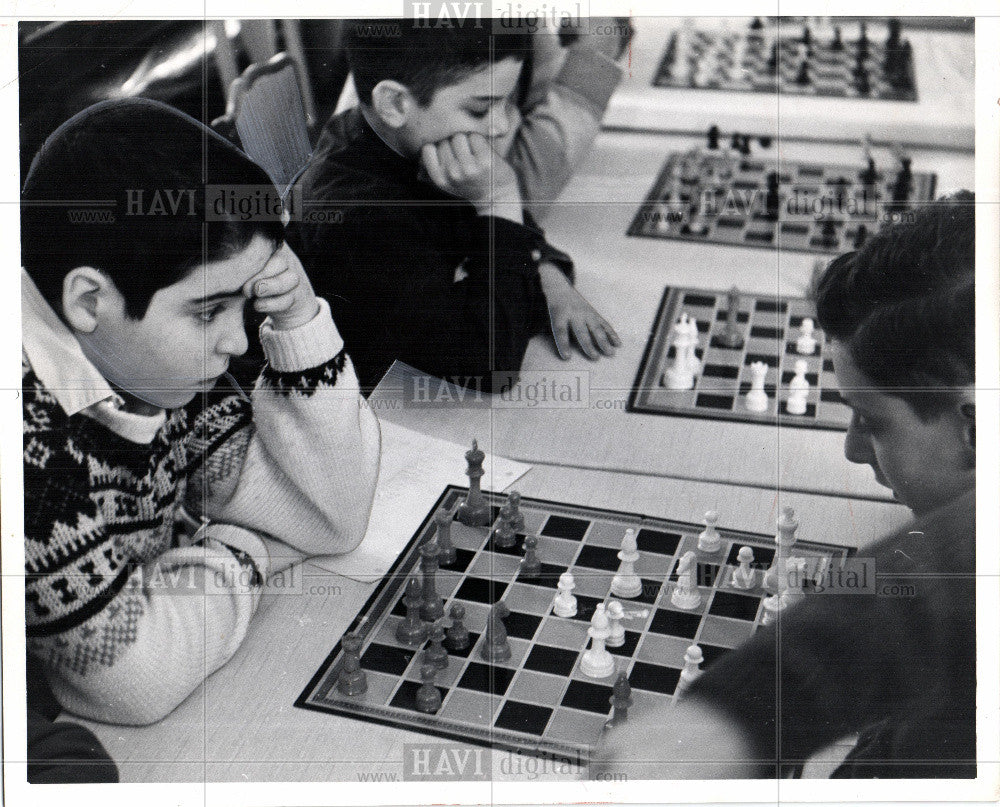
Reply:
x=570, y=313
x=283, y=291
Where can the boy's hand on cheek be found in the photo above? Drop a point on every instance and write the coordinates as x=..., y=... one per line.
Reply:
x=283, y=291
x=466, y=166
x=570, y=313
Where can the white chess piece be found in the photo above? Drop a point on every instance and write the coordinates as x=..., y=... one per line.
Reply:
x=679, y=375
x=693, y=657
x=756, y=400
x=597, y=662
x=565, y=603
x=744, y=575
x=709, y=540
x=806, y=343
x=616, y=613
x=693, y=363
x=626, y=582
x=795, y=580
x=787, y=525
x=798, y=389
x=686, y=594
x=662, y=221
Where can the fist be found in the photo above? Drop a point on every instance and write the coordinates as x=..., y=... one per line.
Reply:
x=283, y=291
x=466, y=166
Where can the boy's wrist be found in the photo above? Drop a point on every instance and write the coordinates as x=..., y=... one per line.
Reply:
x=305, y=346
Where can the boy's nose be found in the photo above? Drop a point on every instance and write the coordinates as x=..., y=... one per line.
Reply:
x=500, y=122
x=857, y=447
x=233, y=343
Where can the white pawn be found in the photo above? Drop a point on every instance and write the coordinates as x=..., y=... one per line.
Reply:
x=709, y=540
x=693, y=658
x=806, y=343
x=663, y=216
x=744, y=575
x=626, y=582
x=693, y=363
x=679, y=374
x=565, y=603
x=597, y=662
x=798, y=389
x=686, y=594
x=757, y=397
x=616, y=613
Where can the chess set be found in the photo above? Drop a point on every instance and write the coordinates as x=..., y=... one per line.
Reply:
x=745, y=357
x=726, y=196
x=765, y=58
x=531, y=625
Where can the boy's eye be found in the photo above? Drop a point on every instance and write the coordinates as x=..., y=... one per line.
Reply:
x=209, y=314
x=479, y=113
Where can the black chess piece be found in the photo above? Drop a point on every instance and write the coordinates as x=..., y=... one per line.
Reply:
x=411, y=630
x=802, y=78
x=352, y=680
x=731, y=335
x=620, y=700
x=862, y=82
x=436, y=654
x=772, y=60
x=431, y=606
x=735, y=140
x=828, y=234
x=457, y=636
x=530, y=564
x=495, y=646
x=745, y=145
x=838, y=43
x=807, y=36
x=474, y=511
x=504, y=536
x=428, y=696
x=868, y=175
x=892, y=41
x=516, y=517
x=713, y=137
x=757, y=24
x=863, y=42
x=772, y=198
x=764, y=141
x=446, y=550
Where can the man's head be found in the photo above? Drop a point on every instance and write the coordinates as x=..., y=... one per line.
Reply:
x=425, y=83
x=115, y=233
x=900, y=312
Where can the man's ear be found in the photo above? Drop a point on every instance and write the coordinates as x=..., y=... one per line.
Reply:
x=392, y=102
x=85, y=291
x=967, y=408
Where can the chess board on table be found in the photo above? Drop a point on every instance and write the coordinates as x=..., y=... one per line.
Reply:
x=771, y=60
x=820, y=207
x=538, y=702
x=769, y=326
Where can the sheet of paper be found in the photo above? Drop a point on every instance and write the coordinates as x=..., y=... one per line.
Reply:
x=413, y=472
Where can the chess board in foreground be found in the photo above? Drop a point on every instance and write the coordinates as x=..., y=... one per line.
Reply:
x=769, y=327
x=718, y=197
x=538, y=701
x=772, y=59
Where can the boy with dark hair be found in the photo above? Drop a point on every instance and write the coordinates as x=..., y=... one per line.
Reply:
x=901, y=671
x=432, y=259
x=128, y=321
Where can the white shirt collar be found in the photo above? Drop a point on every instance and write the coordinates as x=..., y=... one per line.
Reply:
x=77, y=385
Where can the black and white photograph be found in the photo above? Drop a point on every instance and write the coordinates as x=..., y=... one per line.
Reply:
x=429, y=402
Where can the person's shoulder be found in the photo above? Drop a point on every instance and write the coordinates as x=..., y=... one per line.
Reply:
x=939, y=542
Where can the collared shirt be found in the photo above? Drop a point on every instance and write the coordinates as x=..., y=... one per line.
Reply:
x=60, y=364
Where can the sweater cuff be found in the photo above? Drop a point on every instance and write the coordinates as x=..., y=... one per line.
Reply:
x=302, y=348
x=246, y=547
x=590, y=75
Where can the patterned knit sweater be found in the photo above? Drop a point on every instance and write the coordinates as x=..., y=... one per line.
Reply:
x=127, y=618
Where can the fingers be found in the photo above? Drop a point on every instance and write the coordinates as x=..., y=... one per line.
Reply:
x=560, y=334
x=480, y=147
x=429, y=156
x=583, y=338
x=462, y=150
x=601, y=338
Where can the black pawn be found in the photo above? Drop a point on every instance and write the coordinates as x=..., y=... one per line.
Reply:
x=457, y=635
x=772, y=199
x=620, y=700
x=495, y=646
x=446, y=550
x=530, y=564
x=862, y=83
x=869, y=175
x=516, y=519
x=713, y=137
x=731, y=335
x=352, y=679
x=892, y=41
x=436, y=654
x=828, y=234
x=411, y=630
x=837, y=44
x=735, y=140
x=807, y=36
x=772, y=60
x=863, y=42
x=745, y=145
x=757, y=24
x=504, y=536
x=428, y=695
x=802, y=77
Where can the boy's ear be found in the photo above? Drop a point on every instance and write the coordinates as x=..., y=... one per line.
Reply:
x=392, y=102
x=83, y=288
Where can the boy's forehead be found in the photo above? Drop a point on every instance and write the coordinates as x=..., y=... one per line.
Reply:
x=226, y=275
x=494, y=80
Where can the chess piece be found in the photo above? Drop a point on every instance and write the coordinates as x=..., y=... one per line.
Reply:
x=428, y=696
x=431, y=607
x=731, y=336
x=838, y=43
x=626, y=582
x=787, y=525
x=530, y=564
x=679, y=375
x=698, y=223
x=446, y=551
x=744, y=576
x=474, y=511
x=693, y=657
x=713, y=138
x=806, y=343
x=862, y=81
x=495, y=647
x=798, y=389
x=802, y=78
x=411, y=631
x=457, y=636
x=757, y=24
x=621, y=700
x=772, y=197
x=436, y=654
x=352, y=680
x=863, y=42
x=828, y=234
x=504, y=536
x=564, y=604
x=795, y=580
x=709, y=540
x=597, y=662
x=892, y=41
x=616, y=613
x=686, y=594
x=756, y=400
x=516, y=516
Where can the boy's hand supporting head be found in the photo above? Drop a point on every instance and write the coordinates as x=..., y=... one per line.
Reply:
x=466, y=166
x=283, y=291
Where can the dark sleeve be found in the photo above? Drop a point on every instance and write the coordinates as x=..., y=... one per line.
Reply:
x=897, y=651
x=391, y=285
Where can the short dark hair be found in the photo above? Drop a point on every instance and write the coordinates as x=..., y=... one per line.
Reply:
x=97, y=165
x=904, y=304
x=424, y=57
